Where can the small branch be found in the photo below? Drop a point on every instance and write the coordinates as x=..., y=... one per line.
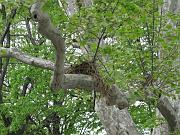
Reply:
x=99, y=42
x=153, y=39
x=6, y=35
x=151, y=44
x=29, y=32
x=6, y=120
x=13, y=13
x=30, y=36
x=25, y=86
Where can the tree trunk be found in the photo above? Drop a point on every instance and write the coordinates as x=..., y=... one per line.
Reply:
x=115, y=121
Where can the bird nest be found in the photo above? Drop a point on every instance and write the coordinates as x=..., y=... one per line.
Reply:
x=90, y=68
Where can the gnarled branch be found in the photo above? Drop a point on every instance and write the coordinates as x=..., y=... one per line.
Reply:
x=46, y=28
x=70, y=81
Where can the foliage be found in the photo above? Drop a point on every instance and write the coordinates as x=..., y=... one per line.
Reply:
x=138, y=53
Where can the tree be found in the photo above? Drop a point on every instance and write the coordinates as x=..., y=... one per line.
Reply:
x=121, y=51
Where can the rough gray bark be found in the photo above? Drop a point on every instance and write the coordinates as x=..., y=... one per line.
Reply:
x=162, y=129
x=71, y=8
x=169, y=113
x=117, y=122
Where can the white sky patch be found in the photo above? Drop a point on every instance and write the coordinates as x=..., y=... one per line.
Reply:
x=137, y=103
x=50, y=103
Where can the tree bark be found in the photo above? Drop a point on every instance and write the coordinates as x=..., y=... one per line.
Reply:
x=46, y=28
x=115, y=121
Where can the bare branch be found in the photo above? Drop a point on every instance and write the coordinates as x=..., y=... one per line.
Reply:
x=29, y=32
x=46, y=28
x=34, y=61
x=80, y=81
x=13, y=13
x=70, y=81
x=99, y=42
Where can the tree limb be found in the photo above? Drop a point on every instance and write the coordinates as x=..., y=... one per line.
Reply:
x=79, y=81
x=13, y=13
x=46, y=28
x=30, y=60
x=70, y=81
x=115, y=121
x=169, y=113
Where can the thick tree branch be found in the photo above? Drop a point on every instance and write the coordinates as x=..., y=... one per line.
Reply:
x=30, y=60
x=81, y=81
x=169, y=113
x=70, y=81
x=115, y=121
x=116, y=96
x=46, y=28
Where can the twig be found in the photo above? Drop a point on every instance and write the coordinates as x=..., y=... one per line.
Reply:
x=99, y=42
x=13, y=13
x=29, y=32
